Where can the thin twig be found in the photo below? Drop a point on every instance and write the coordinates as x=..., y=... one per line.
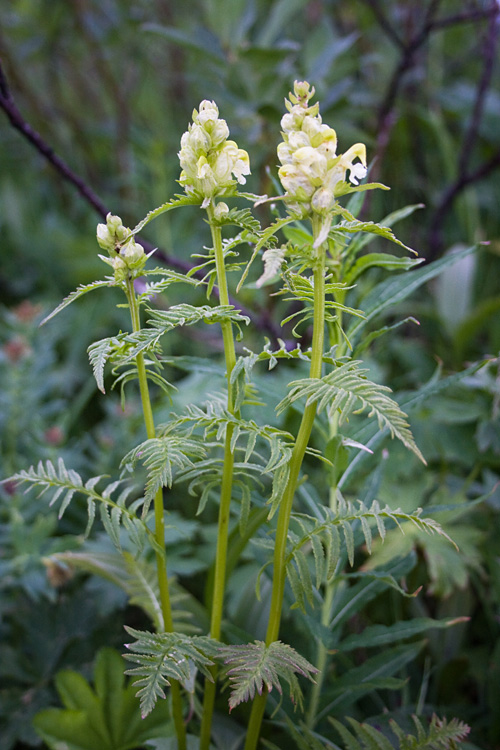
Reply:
x=464, y=177
x=262, y=322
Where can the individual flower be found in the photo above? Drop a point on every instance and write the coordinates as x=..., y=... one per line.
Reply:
x=125, y=253
x=209, y=161
x=311, y=171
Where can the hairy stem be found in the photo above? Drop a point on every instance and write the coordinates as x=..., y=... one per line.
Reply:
x=159, y=533
x=226, y=486
x=301, y=443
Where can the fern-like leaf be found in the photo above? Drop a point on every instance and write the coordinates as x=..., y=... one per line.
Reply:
x=346, y=389
x=137, y=577
x=332, y=531
x=176, y=202
x=439, y=735
x=162, y=657
x=253, y=667
x=79, y=292
x=65, y=483
x=160, y=456
x=163, y=321
x=273, y=259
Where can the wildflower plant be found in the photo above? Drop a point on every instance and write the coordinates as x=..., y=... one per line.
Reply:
x=254, y=469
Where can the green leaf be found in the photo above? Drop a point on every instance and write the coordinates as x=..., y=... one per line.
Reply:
x=79, y=292
x=361, y=240
x=163, y=321
x=380, y=260
x=160, y=456
x=165, y=656
x=374, y=674
x=346, y=517
x=137, y=577
x=279, y=16
x=381, y=635
x=440, y=735
x=254, y=666
x=200, y=42
x=66, y=483
x=395, y=289
x=372, y=437
x=353, y=227
x=107, y=718
x=345, y=390
x=179, y=200
x=99, y=353
x=56, y=726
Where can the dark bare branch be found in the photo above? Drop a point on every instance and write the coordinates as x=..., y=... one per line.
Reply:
x=262, y=322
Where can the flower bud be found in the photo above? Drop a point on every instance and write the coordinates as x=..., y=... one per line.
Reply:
x=323, y=201
x=111, y=234
x=221, y=210
x=133, y=254
x=120, y=268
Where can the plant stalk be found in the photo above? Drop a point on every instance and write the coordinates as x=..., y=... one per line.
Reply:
x=159, y=532
x=330, y=588
x=219, y=583
x=285, y=510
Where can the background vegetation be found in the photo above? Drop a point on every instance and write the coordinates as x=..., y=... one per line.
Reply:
x=96, y=96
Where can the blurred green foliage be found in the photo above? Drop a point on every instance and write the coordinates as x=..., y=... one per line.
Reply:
x=110, y=86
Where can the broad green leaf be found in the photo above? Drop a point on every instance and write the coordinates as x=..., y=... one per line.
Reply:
x=381, y=635
x=397, y=288
x=281, y=12
x=380, y=260
x=201, y=42
x=376, y=672
x=68, y=729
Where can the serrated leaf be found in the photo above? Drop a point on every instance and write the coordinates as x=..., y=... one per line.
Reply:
x=162, y=657
x=79, y=292
x=346, y=389
x=253, y=667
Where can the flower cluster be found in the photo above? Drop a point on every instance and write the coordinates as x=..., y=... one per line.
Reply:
x=125, y=253
x=208, y=159
x=311, y=171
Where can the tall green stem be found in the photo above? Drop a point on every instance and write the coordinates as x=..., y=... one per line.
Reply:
x=226, y=486
x=161, y=565
x=331, y=586
x=301, y=443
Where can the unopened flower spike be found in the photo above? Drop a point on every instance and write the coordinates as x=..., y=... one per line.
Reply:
x=209, y=161
x=311, y=168
x=125, y=253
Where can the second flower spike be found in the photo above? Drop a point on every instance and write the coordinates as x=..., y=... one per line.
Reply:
x=311, y=169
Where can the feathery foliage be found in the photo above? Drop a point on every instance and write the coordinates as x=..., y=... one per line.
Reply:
x=79, y=292
x=160, y=456
x=346, y=389
x=439, y=735
x=326, y=534
x=166, y=656
x=253, y=667
x=137, y=577
x=63, y=484
x=163, y=321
